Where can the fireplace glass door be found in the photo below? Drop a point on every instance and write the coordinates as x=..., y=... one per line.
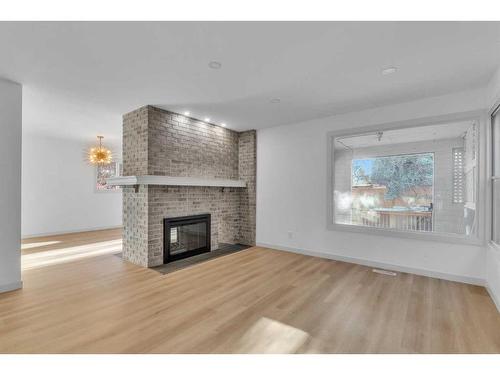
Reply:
x=186, y=236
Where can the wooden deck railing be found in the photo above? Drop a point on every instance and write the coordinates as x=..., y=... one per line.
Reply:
x=420, y=221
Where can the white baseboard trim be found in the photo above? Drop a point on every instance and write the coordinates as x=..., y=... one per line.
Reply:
x=494, y=297
x=27, y=236
x=12, y=286
x=375, y=264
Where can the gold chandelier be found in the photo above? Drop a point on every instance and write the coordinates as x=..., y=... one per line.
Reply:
x=99, y=155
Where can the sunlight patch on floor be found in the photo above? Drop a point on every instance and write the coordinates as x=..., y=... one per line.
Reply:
x=271, y=336
x=33, y=245
x=70, y=254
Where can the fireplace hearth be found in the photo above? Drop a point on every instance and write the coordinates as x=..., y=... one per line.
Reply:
x=185, y=237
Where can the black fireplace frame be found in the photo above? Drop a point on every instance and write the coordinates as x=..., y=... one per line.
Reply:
x=170, y=222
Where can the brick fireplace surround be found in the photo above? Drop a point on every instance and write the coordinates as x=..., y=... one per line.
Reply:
x=159, y=142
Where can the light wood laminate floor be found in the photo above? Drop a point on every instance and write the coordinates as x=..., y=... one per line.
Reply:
x=79, y=297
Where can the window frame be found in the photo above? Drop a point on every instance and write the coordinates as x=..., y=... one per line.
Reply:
x=478, y=116
x=495, y=111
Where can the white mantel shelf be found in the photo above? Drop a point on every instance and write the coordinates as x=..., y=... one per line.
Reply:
x=173, y=181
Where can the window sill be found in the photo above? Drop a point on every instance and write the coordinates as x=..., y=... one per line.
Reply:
x=424, y=236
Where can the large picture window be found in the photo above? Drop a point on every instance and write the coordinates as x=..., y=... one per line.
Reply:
x=418, y=179
x=393, y=192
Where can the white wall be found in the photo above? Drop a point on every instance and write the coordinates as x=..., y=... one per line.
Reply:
x=493, y=273
x=493, y=93
x=58, y=189
x=292, y=191
x=58, y=193
x=10, y=185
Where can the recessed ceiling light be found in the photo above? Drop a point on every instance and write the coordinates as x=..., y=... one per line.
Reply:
x=214, y=65
x=275, y=100
x=389, y=70
x=207, y=119
x=187, y=113
x=223, y=125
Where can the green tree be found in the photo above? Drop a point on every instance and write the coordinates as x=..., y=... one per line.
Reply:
x=359, y=176
x=403, y=173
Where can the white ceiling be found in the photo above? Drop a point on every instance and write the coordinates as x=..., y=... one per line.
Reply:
x=430, y=133
x=317, y=69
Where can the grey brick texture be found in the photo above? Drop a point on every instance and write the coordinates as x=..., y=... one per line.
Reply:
x=159, y=142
